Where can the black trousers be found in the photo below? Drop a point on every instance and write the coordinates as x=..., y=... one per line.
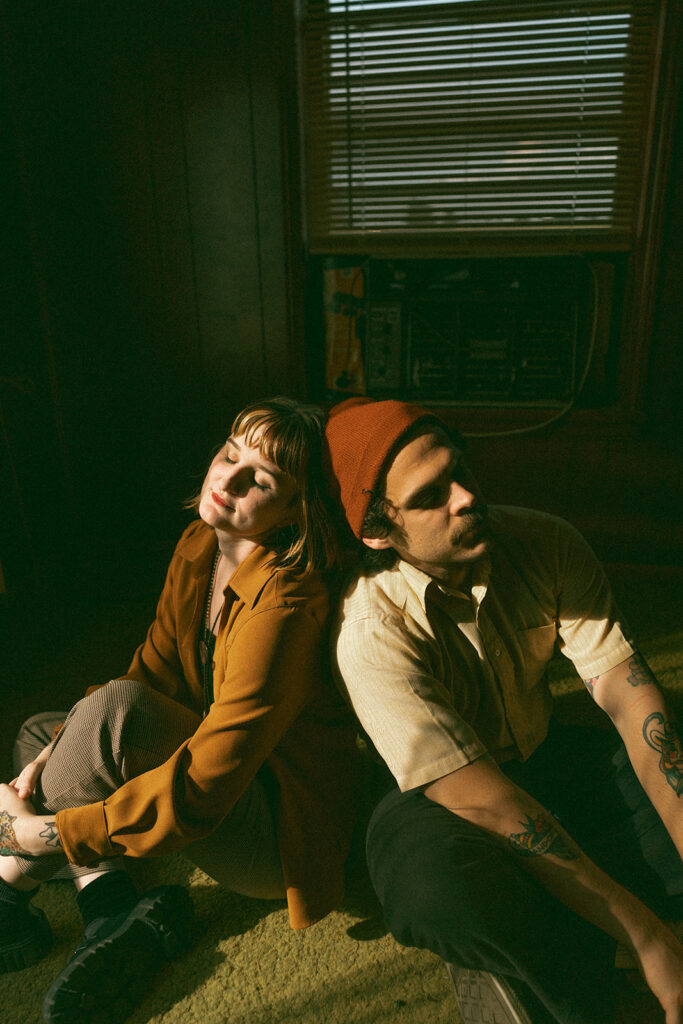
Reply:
x=445, y=885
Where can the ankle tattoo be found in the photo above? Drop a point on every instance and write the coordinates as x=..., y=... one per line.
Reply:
x=51, y=835
x=9, y=845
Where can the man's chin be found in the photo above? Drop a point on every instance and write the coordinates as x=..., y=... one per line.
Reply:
x=474, y=550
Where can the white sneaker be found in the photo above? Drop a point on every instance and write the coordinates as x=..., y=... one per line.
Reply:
x=485, y=998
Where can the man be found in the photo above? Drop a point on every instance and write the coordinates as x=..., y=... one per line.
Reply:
x=520, y=850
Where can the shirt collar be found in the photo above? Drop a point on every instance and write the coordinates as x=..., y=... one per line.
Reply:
x=419, y=582
x=251, y=575
x=248, y=579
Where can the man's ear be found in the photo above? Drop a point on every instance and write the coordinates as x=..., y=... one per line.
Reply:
x=377, y=543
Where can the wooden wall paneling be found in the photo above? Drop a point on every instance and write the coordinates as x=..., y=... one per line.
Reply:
x=665, y=378
x=519, y=470
x=268, y=52
x=216, y=81
x=164, y=245
x=67, y=231
x=644, y=500
x=33, y=453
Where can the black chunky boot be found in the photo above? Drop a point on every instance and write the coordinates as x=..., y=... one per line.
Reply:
x=25, y=935
x=111, y=971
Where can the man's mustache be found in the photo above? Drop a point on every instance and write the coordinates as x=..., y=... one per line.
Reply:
x=477, y=516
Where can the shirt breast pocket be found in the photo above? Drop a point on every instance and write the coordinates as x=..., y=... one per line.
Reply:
x=537, y=646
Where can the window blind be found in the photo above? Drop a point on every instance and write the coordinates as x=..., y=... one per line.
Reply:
x=468, y=123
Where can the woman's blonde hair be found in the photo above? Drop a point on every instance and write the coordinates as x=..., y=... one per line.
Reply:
x=290, y=435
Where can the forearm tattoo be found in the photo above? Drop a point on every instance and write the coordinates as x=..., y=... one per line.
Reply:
x=51, y=835
x=9, y=845
x=541, y=836
x=640, y=674
x=661, y=736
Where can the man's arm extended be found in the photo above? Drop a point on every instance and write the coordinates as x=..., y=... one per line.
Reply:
x=631, y=697
x=480, y=793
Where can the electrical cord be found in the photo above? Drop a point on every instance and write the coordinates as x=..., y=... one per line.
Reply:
x=584, y=376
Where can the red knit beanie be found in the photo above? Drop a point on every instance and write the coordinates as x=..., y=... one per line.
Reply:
x=360, y=433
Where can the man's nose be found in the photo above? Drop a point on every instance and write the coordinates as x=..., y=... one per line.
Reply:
x=461, y=499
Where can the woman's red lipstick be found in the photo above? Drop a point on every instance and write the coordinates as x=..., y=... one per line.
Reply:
x=219, y=501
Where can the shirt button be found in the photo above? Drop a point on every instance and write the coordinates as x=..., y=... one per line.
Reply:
x=498, y=652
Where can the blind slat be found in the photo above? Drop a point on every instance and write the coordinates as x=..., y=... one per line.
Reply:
x=468, y=117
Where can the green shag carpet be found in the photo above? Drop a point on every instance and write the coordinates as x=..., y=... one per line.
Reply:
x=245, y=965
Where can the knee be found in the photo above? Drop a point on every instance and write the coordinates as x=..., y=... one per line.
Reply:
x=441, y=888
x=109, y=707
x=118, y=694
x=126, y=691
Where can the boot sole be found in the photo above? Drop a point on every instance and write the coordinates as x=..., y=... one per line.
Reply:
x=29, y=950
x=105, y=981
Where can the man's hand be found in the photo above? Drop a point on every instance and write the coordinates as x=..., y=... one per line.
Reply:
x=22, y=831
x=480, y=793
x=661, y=963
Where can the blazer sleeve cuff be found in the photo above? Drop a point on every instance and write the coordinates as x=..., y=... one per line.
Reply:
x=83, y=833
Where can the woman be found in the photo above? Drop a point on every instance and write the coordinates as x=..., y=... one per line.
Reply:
x=225, y=739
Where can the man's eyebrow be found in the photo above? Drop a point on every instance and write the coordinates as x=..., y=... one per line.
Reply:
x=416, y=496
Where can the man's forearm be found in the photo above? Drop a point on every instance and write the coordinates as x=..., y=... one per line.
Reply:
x=631, y=697
x=553, y=857
x=480, y=794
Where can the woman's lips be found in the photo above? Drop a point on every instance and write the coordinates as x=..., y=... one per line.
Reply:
x=218, y=500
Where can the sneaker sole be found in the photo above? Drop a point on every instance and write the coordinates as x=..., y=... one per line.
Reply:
x=485, y=998
x=106, y=981
x=30, y=950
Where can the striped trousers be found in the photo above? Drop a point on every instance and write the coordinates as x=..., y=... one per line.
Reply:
x=118, y=732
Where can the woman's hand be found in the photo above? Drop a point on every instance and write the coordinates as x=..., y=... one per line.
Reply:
x=27, y=779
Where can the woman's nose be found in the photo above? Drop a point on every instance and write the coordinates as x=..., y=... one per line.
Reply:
x=234, y=479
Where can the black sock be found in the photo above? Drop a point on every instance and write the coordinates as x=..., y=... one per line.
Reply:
x=14, y=899
x=17, y=919
x=109, y=894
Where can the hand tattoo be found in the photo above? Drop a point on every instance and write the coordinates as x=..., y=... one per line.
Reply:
x=51, y=835
x=640, y=673
x=590, y=684
x=541, y=836
x=9, y=845
x=666, y=742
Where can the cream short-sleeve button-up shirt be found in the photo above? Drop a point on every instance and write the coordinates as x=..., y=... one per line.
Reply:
x=439, y=677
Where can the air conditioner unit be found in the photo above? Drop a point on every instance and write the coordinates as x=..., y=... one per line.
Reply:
x=466, y=332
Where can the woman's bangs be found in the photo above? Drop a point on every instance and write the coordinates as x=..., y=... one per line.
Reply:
x=279, y=442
